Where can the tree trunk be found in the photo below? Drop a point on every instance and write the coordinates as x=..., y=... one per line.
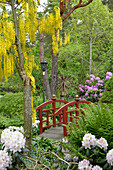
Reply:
x=41, y=55
x=27, y=89
x=54, y=74
x=26, y=81
x=90, y=56
x=47, y=86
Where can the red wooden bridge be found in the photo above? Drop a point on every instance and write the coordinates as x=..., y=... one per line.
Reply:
x=56, y=113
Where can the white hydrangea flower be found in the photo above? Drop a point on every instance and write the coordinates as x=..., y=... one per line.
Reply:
x=5, y=160
x=13, y=139
x=96, y=168
x=109, y=157
x=88, y=141
x=84, y=165
x=102, y=143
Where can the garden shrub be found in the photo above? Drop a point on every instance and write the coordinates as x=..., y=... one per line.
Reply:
x=107, y=96
x=11, y=110
x=98, y=120
x=11, y=105
x=6, y=122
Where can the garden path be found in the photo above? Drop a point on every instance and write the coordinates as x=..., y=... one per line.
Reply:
x=55, y=133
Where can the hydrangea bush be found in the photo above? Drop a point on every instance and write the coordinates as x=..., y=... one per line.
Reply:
x=13, y=142
x=95, y=150
x=93, y=88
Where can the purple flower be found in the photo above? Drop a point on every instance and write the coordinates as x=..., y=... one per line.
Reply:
x=91, y=94
x=91, y=75
x=100, y=94
x=97, y=78
x=81, y=89
x=108, y=77
x=98, y=98
x=95, y=95
x=87, y=81
x=84, y=99
x=86, y=86
x=92, y=79
x=100, y=90
x=90, y=88
x=86, y=94
x=97, y=84
x=109, y=74
x=100, y=81
x=95, y=89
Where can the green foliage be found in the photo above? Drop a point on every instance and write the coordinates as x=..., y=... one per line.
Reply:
x=107, y=96
x=98, y=120
x=11, y=110
x=14, y=84
x=6, y=122
x=11, y=105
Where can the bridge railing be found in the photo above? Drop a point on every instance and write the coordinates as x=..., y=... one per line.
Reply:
x=47, y=116
x=70, y=111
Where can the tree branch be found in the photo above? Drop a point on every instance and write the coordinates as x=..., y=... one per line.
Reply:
x=18, y=44
x=75, y=7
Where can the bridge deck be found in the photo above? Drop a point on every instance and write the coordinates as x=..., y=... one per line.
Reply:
x=55, y=133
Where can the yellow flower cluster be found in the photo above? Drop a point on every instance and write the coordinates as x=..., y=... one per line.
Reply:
x=7, y=38
x=8, y=51
x=67, y=38
x=50, y=25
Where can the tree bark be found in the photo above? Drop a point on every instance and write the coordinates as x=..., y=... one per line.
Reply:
x=54, y=74
x=27, y=89
x=90, y=56
x=41, y=55
x=47, y=86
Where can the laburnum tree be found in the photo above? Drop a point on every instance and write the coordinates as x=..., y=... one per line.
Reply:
x=17, y=28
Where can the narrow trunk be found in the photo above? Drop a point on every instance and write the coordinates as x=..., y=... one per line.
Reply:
x=90, y=56
x=47, y=86
x=27, y=111
x=26, y=81
x=54, y=74
x=41, y=55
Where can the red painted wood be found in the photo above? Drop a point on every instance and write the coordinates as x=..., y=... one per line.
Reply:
x=63, y=112
x=53, y=109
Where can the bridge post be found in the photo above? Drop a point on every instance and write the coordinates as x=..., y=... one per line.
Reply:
x=65, y=121
x=77, y=104
x=40, y=118
x=54, y=110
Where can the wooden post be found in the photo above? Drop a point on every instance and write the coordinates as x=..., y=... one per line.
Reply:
x=54, y=110
x=40, y=118
x=77, y=105
x=65, y=121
